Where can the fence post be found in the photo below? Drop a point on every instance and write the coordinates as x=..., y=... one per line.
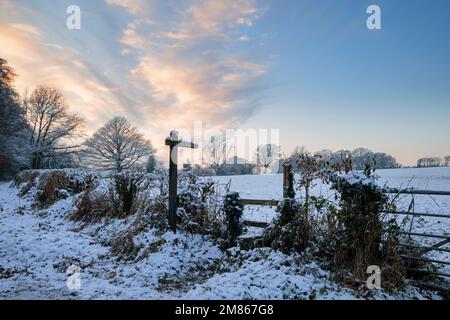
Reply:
x=288, y=181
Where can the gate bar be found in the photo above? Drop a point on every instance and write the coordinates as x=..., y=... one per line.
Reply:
x=424, y=248
x=425, y=235
x=406, y=213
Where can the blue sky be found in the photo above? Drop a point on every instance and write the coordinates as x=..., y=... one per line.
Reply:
x=309, y=68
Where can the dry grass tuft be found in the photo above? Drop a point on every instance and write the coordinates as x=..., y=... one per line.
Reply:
x=51, y=188
x=26, y=179
x=92, y=208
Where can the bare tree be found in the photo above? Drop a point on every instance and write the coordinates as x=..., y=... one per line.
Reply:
x=54, y=130
x=117, y=146
x=215, y=153
x=309, y=168
x=267, y=156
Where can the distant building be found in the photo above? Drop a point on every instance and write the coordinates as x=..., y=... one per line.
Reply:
x=187, y=167
x=236, y=166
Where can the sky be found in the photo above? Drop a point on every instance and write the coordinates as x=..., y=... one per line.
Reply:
x=309, y=68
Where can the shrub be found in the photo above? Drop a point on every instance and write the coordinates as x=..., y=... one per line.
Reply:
x=199, y=207
x=141, y=195
x=233, y=210
x=92, y=207
x=50, y=188
x=53, y=185
x=120, y=199
x=359, y=234
x=124, y=192
x=291, y=230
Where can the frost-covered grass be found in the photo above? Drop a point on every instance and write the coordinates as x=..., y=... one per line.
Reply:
x=38, y=245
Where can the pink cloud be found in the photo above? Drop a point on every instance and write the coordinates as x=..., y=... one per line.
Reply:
x=37, y=63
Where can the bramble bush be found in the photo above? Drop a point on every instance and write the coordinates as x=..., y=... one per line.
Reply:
x=233, y=210
x=199, y=206
x=359, y=233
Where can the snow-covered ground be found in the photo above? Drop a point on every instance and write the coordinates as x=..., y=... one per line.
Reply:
x=37, y=247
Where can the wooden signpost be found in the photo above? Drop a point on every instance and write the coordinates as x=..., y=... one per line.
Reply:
x=174, y=143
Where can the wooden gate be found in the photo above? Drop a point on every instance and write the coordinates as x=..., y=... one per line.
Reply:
x=441, y=239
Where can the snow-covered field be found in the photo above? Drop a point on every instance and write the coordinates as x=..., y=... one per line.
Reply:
x=38, y=246
x=270, y=187
x=436, y=179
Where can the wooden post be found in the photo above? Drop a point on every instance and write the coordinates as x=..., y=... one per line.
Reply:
x=173, y=174
x=288, y=181
x=285, y=180
x=174, y=143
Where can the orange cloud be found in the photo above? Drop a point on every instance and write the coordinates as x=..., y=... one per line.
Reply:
x=38, y=63
x=186, y=82
x=179, y=70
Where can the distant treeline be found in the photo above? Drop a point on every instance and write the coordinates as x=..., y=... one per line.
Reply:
x=433, y=162
x=360, y=157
